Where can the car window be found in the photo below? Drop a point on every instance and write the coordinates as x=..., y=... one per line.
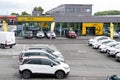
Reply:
x=34, y=61
x=71, y=31
x=34, y=48
x=50, y=50
x=48, y=55
x=45, y=62
x=31, y=54
x=51, y=57
x=43, y=54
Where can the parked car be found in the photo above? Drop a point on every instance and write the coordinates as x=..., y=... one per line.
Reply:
x=43, y=65
x=113, y=77
x=112, y=50
x=47, y=49
x=104, y=48
x=115, y=34
x=71, y=34
x=117, y=56
x=40, y=34
x=26, y=54
x=7, y=39
x=96, y=45
x=28, y=34
x=96, y=39
x=51, y=35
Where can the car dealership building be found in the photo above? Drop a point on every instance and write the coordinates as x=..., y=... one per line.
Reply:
x=77, y=17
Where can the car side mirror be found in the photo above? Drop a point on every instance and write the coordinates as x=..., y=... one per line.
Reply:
x=51, y=64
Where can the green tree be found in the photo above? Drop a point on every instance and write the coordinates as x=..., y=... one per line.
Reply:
x=38, y=9
x=24, y=13
x=14, y=13
x=110, y=12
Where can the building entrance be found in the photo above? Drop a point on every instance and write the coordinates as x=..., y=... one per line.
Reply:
x=92, y=28
x=90, y=31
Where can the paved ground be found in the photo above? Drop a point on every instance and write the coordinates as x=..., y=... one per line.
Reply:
x=86, y=63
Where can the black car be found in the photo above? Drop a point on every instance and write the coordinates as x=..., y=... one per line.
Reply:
x=28, y=34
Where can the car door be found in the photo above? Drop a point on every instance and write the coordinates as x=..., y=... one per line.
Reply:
x=35, y=65
x=48, y=66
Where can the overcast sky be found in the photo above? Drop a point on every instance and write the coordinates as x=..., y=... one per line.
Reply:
x=18, y=6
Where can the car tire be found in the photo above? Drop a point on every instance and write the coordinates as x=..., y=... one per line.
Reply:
x=11, y=46
x=60, y=74
x=26, y=74
x=108, y=54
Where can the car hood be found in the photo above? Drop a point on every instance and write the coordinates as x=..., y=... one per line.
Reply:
x=64, y=64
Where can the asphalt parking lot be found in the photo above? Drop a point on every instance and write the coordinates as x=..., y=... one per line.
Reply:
x=85, y=63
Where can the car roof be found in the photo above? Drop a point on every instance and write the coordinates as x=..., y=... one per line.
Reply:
x=37, y=57
x=34, y=51
x=106, y=40
x=101, y=37
x=39, y=47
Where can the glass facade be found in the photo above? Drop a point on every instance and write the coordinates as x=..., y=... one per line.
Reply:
x=61, y=28
x=32, y=26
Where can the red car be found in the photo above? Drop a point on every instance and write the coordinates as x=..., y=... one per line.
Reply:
x=71, y=34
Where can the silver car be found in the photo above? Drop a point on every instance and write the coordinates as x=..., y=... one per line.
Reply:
x=51, y=34
x=40, y=34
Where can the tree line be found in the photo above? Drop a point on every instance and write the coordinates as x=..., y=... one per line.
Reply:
x=24, y=13
x=109, y=12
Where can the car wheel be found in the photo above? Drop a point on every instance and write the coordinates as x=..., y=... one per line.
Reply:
x=26, y=74
x=108, y=54
x=60, y=74
x=11, y=46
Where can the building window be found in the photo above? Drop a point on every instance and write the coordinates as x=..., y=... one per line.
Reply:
x=70, y=10
x=88, y=10
x=78, y=10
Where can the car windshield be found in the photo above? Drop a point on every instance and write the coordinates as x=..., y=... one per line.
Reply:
x=112, y=44
x=117, y=46
x=51, y=56
x=58, y=62
x=71, y=31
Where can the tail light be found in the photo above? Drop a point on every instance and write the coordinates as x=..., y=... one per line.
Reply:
x=5, y=41
x=20, y=58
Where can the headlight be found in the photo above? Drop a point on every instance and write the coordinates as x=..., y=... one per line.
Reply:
x=66, y=68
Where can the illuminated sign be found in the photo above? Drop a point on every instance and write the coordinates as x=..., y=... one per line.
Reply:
x=35, y=19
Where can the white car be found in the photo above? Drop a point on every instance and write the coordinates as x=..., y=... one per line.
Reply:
x=98, y=44
x=43, y=65
x=40, y=34
x=96, y=39
x=104, y=48
x=51, y=35
x=117, y=56
x=47, y=49
x=112, y=50
x=26, y=54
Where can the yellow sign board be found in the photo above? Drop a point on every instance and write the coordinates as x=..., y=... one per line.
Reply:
x=52, y=26
x=35, y=18
x=111, y=30
x=5, y=26
x=98, y=28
